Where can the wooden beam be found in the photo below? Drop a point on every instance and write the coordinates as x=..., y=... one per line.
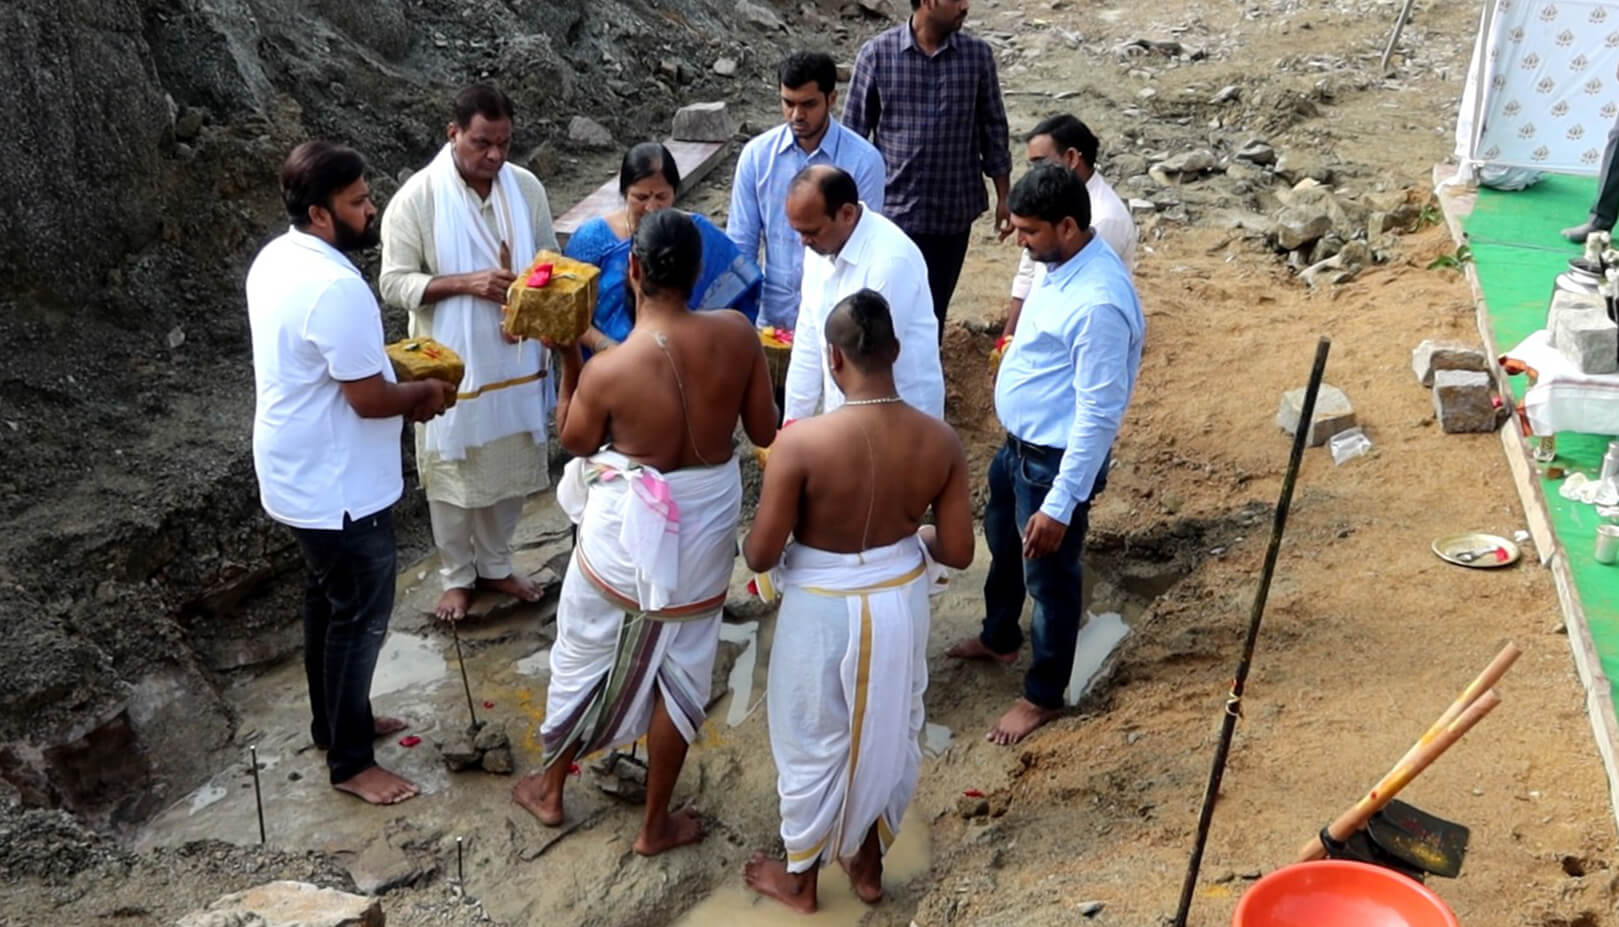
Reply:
x=695, y=161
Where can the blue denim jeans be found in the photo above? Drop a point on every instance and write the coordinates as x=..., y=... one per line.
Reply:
x=348, y=598
x=1019, y=478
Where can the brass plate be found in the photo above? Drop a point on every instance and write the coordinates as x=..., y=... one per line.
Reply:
x=1451, y=547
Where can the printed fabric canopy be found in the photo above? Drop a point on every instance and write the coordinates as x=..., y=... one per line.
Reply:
x=1550, y=87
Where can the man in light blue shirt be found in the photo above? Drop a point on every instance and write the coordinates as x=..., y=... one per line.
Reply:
x=1060, y=393
x=770, y=162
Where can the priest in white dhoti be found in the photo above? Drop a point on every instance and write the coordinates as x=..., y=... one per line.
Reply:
x=638, y=620
x=839, y=512
x=453, y=239
x=642, y=599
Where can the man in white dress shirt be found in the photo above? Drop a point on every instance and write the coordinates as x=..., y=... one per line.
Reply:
x=851, y=248
x=1066, y=141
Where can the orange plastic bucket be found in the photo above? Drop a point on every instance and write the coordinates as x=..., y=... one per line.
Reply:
x=1340, y=893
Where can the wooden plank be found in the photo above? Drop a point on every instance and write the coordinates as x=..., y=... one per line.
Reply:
x=695, y=161
x=1456, y=204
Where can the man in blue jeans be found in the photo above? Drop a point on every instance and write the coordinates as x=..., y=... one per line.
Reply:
x=1061, y=390
x=326, y=425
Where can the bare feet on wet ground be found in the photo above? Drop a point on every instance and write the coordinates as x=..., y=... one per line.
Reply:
x=671, y=830
x=770, y=878
x=531, y=795
x=378, y=786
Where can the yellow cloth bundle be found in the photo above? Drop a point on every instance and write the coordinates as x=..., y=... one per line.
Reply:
x=553, y=299
x=425, y=359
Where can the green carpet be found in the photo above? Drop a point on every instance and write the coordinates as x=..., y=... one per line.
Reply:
x=1518, y=253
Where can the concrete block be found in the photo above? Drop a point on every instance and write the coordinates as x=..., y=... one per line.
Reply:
x=1332, y=414
x=1431, y=356
x=1461, y=401
x=1563, y=302
x=1589, y=340
x=703, y=122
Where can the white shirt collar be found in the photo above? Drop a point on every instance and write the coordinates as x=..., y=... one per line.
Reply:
x=854, y=250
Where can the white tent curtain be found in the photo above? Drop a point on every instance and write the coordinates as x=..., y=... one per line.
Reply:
x=1542, y=91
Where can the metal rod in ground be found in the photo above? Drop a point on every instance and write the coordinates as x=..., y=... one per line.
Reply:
x=467, y=686
x=1394, y=37
x=1233, y=705
x=460, y=865
x=258, y=795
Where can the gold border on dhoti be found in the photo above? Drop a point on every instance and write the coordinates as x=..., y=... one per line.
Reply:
x=886, y=584
x=688, y=612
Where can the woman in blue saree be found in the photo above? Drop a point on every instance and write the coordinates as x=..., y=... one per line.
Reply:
x=648, y=180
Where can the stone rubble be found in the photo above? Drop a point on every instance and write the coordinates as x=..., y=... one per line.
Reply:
x=289, y=904
x=1333, y=414
x=703, y=122
x=1462, y=401
x=1429, y=357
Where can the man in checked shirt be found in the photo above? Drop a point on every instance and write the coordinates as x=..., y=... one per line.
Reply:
x=928, y=97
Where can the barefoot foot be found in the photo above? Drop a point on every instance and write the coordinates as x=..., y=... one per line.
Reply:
x=866, y=880
x=770, y=878
x=378, y=786
x=452, y=605
x=677, y=830
x=1019, y=721
x=531, y=794
x=518, y=587
x=972, y=648
x=384, y=725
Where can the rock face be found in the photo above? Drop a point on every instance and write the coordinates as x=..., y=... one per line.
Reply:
x=83, y=187
x=1333, y=414
x=289, y=904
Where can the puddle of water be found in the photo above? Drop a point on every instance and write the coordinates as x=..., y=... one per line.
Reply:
x=205, y=796
x=735, y=904
x=407, y=660
x=741, y=679
x=1097, y=640
x=536, y=664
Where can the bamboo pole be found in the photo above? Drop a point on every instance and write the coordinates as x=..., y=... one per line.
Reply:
x=1419, y=758
x=1233, y=705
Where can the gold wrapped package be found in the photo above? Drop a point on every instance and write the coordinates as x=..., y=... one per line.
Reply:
x=559, y=309
x=425, y=359
x=778, y=347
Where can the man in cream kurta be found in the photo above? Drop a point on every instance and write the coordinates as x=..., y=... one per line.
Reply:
x=452, y=239
x=850, y=248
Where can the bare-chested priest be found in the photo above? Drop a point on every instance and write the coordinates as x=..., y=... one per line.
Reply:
x=656, y=493
x=840, y=527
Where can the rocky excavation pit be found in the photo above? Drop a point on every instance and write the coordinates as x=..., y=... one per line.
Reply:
x=518, y=871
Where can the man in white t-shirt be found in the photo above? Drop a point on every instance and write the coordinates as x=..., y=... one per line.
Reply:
x=849, y=248
x=1066, y=141
x=326, y=431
